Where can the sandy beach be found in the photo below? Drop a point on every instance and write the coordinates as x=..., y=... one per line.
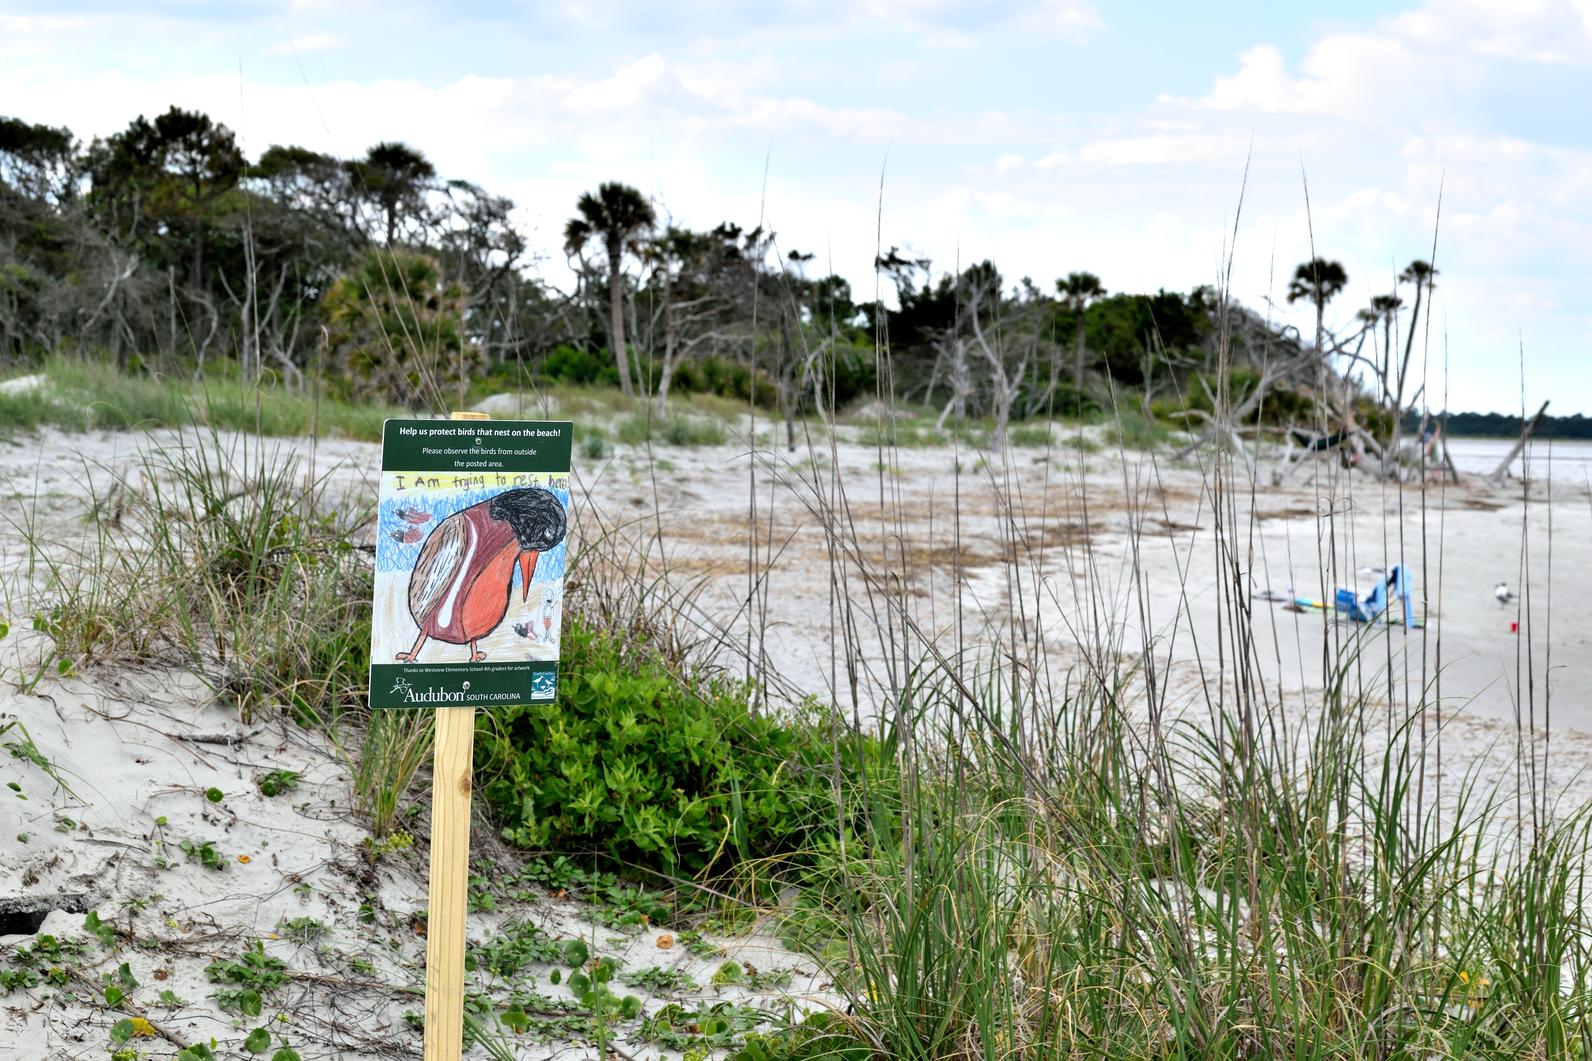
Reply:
x=1125, y=548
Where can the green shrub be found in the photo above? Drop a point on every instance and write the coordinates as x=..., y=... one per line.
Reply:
x=653, y=769
x=593, y=443
x=1068, y=400
x=565, y=364
x=720, y=376
x=1030, y=436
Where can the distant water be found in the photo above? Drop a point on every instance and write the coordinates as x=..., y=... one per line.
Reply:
x=1571, y=459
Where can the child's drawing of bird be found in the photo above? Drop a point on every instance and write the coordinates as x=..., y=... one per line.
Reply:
x=459, y=588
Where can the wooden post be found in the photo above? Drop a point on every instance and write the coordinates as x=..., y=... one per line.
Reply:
x=1525, y=436
x=452, y=751
x=450, y=876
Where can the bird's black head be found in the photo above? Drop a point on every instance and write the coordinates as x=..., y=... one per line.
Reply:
x=536, y=515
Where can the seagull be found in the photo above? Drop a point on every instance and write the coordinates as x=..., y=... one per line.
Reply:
x=1504, y=594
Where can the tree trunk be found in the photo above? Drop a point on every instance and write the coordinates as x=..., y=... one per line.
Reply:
x=960, y=385
x=1404, y=369
x=1077, y=367
x=616, y=316
x=198, y=251
x=1387, y=354
x=789, y=385
x=666, y=373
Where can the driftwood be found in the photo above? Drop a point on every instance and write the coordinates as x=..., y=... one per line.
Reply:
x=1502, y=470
x=1224, y=427
x=1448, y=460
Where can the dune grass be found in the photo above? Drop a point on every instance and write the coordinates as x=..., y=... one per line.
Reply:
x=81, y=394
x=1115, y=898
x=115, y=401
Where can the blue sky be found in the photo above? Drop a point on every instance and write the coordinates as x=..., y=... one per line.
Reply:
x=1049, y=136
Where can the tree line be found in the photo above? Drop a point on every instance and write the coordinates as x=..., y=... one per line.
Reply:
x=164, y=247
x=1575, y=427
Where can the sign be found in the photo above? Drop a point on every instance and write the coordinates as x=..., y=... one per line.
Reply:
x=470, y=554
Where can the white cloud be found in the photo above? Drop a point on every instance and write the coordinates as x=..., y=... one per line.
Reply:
x=1164, y=149
x=1423, y=65
x=25, y=25
x=313, y=42
x=1379, y=114
x=1345, y=75
x=1541, y=31
x=952, y=22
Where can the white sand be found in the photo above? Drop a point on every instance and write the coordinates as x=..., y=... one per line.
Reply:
x=137, y=747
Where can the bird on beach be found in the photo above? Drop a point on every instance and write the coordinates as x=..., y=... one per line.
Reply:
x=461, y=583
x=1504, y=594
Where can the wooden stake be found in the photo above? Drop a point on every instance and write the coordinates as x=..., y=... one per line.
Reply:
x=450, y=876
x=452, y=751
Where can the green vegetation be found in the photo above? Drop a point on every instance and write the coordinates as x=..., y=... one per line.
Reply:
x=83, y=394
x=277, y=782
x=376, y=278
x=396, y=745
x=637, y=428
x=395, y=332
x=652, y=767
x=301, y=930
x=205, y=853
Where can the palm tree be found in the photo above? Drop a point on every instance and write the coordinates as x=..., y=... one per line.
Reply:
x=1077, y=291
x=1317, y=281
x=1384, y=310
x=392, y=175
x=616, y=215
x=1423, y=276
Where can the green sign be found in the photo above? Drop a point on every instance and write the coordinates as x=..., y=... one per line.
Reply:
x=470, y=554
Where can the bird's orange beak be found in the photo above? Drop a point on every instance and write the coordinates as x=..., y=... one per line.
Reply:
x=527, y=569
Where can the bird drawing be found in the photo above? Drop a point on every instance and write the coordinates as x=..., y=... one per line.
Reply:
x=460, y=586
x=1504, y=594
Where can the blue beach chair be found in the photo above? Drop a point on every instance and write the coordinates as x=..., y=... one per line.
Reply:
x=1371, y=607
